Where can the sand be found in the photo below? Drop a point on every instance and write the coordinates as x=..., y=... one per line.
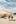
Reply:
x=6, y=21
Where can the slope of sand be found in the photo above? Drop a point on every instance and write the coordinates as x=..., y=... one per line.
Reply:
x=2, y=13
x=6, y=21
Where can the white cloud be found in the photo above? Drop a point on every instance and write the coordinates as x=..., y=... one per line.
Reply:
x=2, y=0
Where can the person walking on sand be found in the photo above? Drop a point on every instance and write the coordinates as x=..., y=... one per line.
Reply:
x=9, y=18
x=12, y=18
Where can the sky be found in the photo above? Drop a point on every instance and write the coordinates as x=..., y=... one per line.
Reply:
x=7, y=4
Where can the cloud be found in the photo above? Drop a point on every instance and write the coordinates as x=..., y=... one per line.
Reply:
x=9, y=4
x=6, y=5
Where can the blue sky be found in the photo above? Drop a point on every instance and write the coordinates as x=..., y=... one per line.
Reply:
x=7, y=4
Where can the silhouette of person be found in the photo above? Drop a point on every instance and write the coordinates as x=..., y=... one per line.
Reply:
x=12, y=17
x=9, y=17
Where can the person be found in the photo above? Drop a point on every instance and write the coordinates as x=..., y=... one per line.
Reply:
x=9, y=17
x=12, y=18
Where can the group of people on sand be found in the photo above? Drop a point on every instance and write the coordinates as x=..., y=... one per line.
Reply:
x=8, y=17
x=11, y=18
x=6, y=14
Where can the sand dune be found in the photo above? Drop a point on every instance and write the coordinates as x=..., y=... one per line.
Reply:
x=7, y=13
x=6, y=21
